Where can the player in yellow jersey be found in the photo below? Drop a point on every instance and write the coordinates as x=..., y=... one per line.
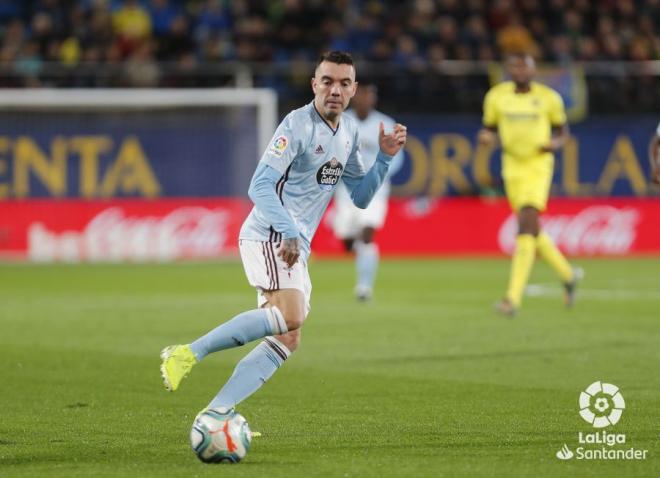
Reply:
x=530, y=121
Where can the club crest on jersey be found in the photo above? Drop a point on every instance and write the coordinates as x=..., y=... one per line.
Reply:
x=279, y=145
x=328, y=175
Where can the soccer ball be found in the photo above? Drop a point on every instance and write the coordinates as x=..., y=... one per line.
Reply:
x=220, y=435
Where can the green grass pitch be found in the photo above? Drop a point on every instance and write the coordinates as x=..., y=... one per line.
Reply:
x=424, y=381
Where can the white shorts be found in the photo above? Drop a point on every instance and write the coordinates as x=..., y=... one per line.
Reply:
x=349, y=220
x=266, y=271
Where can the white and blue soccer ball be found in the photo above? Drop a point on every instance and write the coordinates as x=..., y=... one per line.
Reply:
x=220, y=435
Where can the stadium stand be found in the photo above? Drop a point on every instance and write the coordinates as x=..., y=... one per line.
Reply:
x=429, y=47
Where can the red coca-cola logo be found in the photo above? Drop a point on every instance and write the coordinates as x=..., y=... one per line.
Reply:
x=592, y=231
x=185, y=232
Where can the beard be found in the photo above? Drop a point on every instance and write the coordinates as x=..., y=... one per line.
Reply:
x=332, y=114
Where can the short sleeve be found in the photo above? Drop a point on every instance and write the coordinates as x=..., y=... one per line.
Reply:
x=286, y=144
x=490, y=118
x=556, y=111
x=354, y=165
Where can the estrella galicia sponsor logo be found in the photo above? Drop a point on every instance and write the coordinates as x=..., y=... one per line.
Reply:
x=328, y=175
x=601, y=405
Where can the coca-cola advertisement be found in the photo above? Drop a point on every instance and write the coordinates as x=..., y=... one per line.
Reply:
x=598, y=229
x=121, y=230
x=175, y=229
x=486, y=226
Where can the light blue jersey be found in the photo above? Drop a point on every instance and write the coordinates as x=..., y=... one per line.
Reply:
x=310, y=159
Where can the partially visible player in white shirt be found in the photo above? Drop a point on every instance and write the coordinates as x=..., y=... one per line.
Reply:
x=654, y=156
x=357, y=227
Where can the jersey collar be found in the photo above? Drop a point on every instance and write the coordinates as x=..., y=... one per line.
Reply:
x=334, y=131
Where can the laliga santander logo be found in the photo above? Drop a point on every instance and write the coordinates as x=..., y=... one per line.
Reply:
x=593, y=230
x=601, y=404
x=280, y=143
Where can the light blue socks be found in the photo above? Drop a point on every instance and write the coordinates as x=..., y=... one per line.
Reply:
x=244, y=328
x=251, y=373
x=366, y=265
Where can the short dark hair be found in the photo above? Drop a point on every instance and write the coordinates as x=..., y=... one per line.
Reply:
x=339, y=57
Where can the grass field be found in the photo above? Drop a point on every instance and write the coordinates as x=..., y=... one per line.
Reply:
x=423, y=381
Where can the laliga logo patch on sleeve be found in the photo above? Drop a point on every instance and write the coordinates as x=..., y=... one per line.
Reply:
x=279, y=145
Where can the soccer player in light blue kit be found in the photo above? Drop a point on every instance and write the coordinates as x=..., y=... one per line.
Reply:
x=312, y=150
x=356, y=227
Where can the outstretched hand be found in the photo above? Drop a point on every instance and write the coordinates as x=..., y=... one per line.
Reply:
x=391, y=143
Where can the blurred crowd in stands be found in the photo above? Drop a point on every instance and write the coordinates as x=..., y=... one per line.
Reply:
x=179, y=42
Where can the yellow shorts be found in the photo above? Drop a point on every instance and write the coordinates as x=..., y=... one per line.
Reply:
x=530, y=189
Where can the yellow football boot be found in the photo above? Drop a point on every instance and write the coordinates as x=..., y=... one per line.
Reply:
x=178, y=360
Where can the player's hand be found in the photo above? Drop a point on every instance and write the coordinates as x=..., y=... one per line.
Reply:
x=486, y=137
x=655, y=174
x=552, y=147
x=289, y=251
x=391, y=143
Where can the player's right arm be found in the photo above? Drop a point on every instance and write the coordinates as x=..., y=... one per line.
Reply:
x=284, y=147
x=263, y=194
x=654, y=156
x=488, y=134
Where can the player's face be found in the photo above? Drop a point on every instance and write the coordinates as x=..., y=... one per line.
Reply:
x=333, y=85
x=364, y=100
x=521, y=69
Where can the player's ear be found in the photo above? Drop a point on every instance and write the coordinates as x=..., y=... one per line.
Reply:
x=355, y=87
x=313, y=83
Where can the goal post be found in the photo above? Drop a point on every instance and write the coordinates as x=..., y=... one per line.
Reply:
x=264, y=99
x=128, y=174
x=202, y=142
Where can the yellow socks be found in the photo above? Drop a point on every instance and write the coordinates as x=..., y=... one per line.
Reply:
x=521, y=266
x=553, y=256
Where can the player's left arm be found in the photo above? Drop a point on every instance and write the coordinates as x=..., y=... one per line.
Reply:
x=559, y=122
x=397, y=159
x=363, y=186
x=560, y=135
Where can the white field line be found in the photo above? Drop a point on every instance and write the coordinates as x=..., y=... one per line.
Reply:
x=552, y=290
